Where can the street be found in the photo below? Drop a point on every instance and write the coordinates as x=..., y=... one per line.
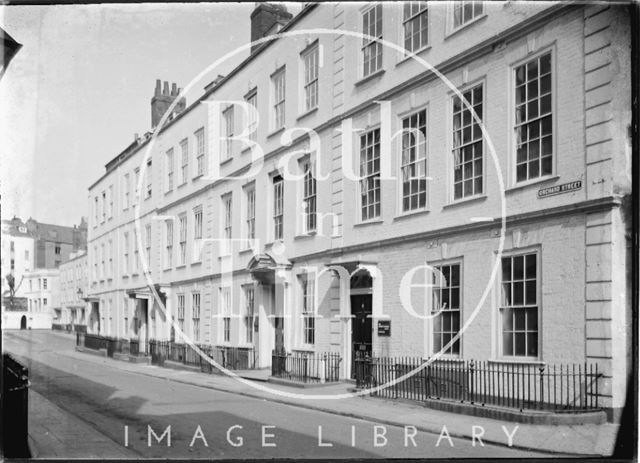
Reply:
x=136, y=410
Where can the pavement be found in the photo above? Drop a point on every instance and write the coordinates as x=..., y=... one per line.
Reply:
x=47, y=434
x=584, y=439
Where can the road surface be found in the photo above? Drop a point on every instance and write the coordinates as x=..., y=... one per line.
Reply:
x=205, y=423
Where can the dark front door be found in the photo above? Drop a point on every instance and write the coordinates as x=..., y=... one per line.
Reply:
x=23, y=323
x=360, y=327
x=279, y=327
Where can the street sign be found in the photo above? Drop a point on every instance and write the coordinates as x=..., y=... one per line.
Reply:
x=559, y=189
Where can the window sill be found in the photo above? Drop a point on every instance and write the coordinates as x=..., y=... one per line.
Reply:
x=410, y=214
x=368, y=222
x=307, y=235
x=307, y=113
x=455, y=31
x=198, y=262
x=197, y=176
x=226, y=255
x=181, y=185
x=226, y=161
x=180, y=266
x=125, y=277
x=413, y=54
x=366, y=79
x=168, y=191
x=305, y=349
x=276, y=132
x=168, y=269
x=518, y=361
x=461, y=202
x=528, y=183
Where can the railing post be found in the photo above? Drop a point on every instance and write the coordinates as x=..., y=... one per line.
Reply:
x=323, y=363
x=471, y=388
x=541, y=386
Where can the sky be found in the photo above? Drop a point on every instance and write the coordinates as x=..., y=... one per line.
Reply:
x=81, y=85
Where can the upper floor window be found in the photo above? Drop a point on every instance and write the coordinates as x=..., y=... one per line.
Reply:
x=103, y=206
x=519, y=305
x=278, y=83
x=415, y=26
x=465, y=11
x=170, y=170
x=110, y=201
x=533, y=119
x=183, y=240
x=137, y=180
x=371, y=49
x=467, y=144
x=227, y=201
x=147, y=243
x=311, y=65
x=414, y=161
x=95, y=209
x=58, y=249
x=228, y=129
x=149, y=176
x=195, y=316
x=168, y=262
x=252, y=114
x=127, y=190
x=184, y=170
x=447, y=301
x=197, y=234
x=125, y=261
x=200, y=152
x=309, y=197
x=44, y=283
x=278, y=207
x=370, y=175
x=251, y=215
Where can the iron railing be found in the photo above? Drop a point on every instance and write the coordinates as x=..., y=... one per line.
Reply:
x=15, y=408
x=69, y=328
x=306, y=366
x=570, y=388
x=232, y=358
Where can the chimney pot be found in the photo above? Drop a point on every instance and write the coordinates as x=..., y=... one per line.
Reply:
x=165, y=88
x=157, y=92
x=174, y=89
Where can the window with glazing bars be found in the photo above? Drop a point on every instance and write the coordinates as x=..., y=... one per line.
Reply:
x=136, y=251
x=371, y=49
x=278, y=81
x=228, y=221
x=370, y=175
x=519, y=306
x=170, y=170
x=200, y=152
x=465, y=11
x=533, y=124
x=310, y=59
x=467, y=144
x=169, y=244
x=147, y=242
x=309, y=197
x=125, y=261
x=278, y=207
x=195, y=316
x=250, y=313
x=415, y=25
x=227, y=144
x=252, y=115
x=181, y=311
x=184, y=171
x=446, y=299
x=251, y=216
x=183, y=240
x=197, y=234
x=308, y=308
x=414, y=161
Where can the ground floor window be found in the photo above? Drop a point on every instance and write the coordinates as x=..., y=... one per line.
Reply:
x=195, y=309
x=308, y=306
x=227, y=329
x=250, y=313
x=519, y=305
x=181, y=312
x=447, y=301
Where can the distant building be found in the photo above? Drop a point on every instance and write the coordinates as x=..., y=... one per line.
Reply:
x=54, y=243
x=17, y=255
x=40, y=288
x=73, y=288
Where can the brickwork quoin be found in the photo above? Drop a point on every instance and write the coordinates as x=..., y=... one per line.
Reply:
x=327, y=221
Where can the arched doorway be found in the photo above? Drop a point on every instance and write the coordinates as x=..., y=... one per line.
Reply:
x=361, y=307
x=23, y=322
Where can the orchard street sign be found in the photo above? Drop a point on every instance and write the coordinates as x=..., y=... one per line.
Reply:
x=559, y=189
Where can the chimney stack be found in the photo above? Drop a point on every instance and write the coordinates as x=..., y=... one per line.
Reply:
x=163, y=98
x=266, y=19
